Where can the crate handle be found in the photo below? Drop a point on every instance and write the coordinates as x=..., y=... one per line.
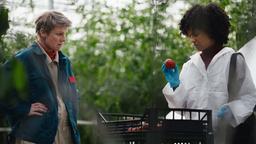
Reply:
x=102, y=117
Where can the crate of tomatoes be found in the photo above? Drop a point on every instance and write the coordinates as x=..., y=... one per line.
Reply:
x=157, y=126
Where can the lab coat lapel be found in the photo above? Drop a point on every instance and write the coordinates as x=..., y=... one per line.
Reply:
x=198, y=62
x=219, y=54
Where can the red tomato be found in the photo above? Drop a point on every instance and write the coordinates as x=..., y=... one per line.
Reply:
x=169, y=63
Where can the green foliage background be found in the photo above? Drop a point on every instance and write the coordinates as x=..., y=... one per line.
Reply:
x=118, y=59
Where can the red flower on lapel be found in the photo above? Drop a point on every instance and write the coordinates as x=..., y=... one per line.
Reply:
x=72, y=79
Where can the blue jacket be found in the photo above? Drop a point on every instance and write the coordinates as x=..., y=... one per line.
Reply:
x=40, y=88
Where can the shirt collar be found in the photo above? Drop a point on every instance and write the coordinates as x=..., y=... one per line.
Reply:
x=198, y=62
x=196, y=57
x=48, y=59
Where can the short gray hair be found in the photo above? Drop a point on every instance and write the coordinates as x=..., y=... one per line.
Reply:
x=50, y=19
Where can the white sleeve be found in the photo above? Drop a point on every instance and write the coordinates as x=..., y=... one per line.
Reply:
x=245, y=100
x=177, y=98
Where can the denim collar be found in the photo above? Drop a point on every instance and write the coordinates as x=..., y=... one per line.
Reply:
x=37, y=50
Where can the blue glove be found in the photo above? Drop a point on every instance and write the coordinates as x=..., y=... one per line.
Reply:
x=224, y=110
x=171, y=75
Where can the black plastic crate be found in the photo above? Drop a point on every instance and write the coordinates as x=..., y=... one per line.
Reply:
x=192, y=126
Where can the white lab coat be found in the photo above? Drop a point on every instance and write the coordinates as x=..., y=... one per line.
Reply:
x=207, y=89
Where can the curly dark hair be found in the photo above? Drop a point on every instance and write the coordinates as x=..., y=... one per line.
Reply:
x=210, y=19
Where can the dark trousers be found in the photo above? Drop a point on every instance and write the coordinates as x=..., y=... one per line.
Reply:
x=246, y=132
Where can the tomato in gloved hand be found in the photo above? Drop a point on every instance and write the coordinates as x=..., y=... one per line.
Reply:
x=171, y=72
x=169, y=63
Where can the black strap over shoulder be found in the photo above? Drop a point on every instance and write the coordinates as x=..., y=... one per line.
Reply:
x=232, y=76
x=245, y=132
